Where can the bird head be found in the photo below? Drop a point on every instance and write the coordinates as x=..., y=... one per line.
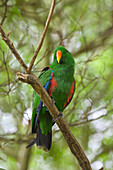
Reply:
x=63, y=57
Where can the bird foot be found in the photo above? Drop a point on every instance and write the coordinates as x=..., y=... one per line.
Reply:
x=59, y=116
x=53, y=102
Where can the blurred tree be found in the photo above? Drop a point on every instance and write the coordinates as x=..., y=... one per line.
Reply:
x=85, y=28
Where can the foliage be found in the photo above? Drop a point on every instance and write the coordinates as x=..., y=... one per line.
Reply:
x=85, y=28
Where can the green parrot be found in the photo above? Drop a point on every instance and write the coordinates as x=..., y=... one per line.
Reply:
x=58, y=80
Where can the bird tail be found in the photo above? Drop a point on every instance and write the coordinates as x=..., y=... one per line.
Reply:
x=41, y=140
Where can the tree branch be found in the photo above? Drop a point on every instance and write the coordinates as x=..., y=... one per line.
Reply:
x=4, y=16
x=42, y=37
x=12, y=48
x=70, y=139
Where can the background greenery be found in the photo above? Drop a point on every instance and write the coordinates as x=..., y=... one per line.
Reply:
x=85, y=28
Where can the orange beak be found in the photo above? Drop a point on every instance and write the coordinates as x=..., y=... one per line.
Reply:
x=58, y=55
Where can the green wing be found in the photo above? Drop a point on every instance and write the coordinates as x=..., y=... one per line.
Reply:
x=44, y=78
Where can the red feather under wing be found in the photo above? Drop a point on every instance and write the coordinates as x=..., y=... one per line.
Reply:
x=70, y=94
x=53, y=85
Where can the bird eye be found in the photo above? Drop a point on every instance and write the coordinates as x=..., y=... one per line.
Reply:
x=66, y=51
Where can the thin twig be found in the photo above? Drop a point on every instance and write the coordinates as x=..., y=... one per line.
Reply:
x=12, y=48
x=6, y=70
x=83, y=121
x=4, y=16
x=42, y=37
x=47, y=51
x=8, y=77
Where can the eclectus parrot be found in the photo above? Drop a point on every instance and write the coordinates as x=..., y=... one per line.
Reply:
x=58, y=80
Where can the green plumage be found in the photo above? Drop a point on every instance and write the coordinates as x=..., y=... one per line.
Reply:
x=58, y=80
x=44, y=115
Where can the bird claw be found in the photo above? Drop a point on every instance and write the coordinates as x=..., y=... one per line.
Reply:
x=53, y=102
x=59, y=116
